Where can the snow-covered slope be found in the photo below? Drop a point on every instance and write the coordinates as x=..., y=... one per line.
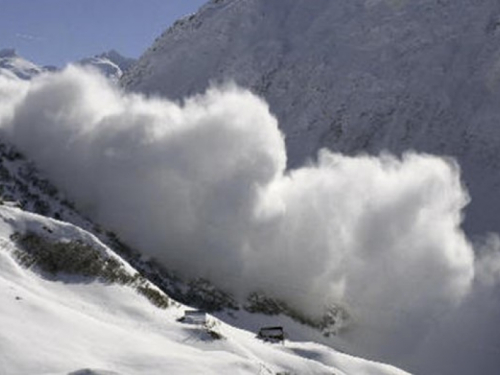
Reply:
x=55, y=322
x=12, y=65
x=354, y=76
x=111, y=64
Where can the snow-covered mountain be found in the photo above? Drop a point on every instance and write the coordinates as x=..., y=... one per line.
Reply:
x=353, y=76
x=12, y=65
x=111, y=64
x=70, y=305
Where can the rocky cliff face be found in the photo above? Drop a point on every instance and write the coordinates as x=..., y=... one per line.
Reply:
x=357, y=76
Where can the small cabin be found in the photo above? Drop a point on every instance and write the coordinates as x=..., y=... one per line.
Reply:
x=13, y=204
x=195, y=317
x=272, y=334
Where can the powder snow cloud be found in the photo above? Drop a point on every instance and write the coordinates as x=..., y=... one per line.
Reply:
x=202, y=186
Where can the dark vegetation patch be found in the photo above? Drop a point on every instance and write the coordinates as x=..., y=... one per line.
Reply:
x=331, y=322
x=50, y=258
x=206, y=296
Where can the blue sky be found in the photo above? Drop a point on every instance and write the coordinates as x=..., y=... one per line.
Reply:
x=54, y=32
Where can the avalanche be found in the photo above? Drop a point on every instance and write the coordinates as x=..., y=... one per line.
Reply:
x=66, y=324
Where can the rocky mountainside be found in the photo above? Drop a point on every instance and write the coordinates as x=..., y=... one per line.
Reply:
x=356, y=76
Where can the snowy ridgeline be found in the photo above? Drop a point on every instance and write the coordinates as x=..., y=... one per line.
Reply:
x=77, y=317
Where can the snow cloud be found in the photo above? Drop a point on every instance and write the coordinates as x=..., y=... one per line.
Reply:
x=202, y=186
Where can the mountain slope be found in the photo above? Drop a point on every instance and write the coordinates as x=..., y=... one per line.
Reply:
x=68, y=323
x=357, y=76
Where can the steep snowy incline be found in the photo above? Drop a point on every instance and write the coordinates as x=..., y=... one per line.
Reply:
x=354, y=76
x=67, y=323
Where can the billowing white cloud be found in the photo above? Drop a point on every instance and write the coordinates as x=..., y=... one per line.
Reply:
x=202, y=186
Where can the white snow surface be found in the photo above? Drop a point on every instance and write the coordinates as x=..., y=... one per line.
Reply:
x=66, y=325
x=354, y=76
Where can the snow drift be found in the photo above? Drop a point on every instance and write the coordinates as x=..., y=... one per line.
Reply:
x=202, y=186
